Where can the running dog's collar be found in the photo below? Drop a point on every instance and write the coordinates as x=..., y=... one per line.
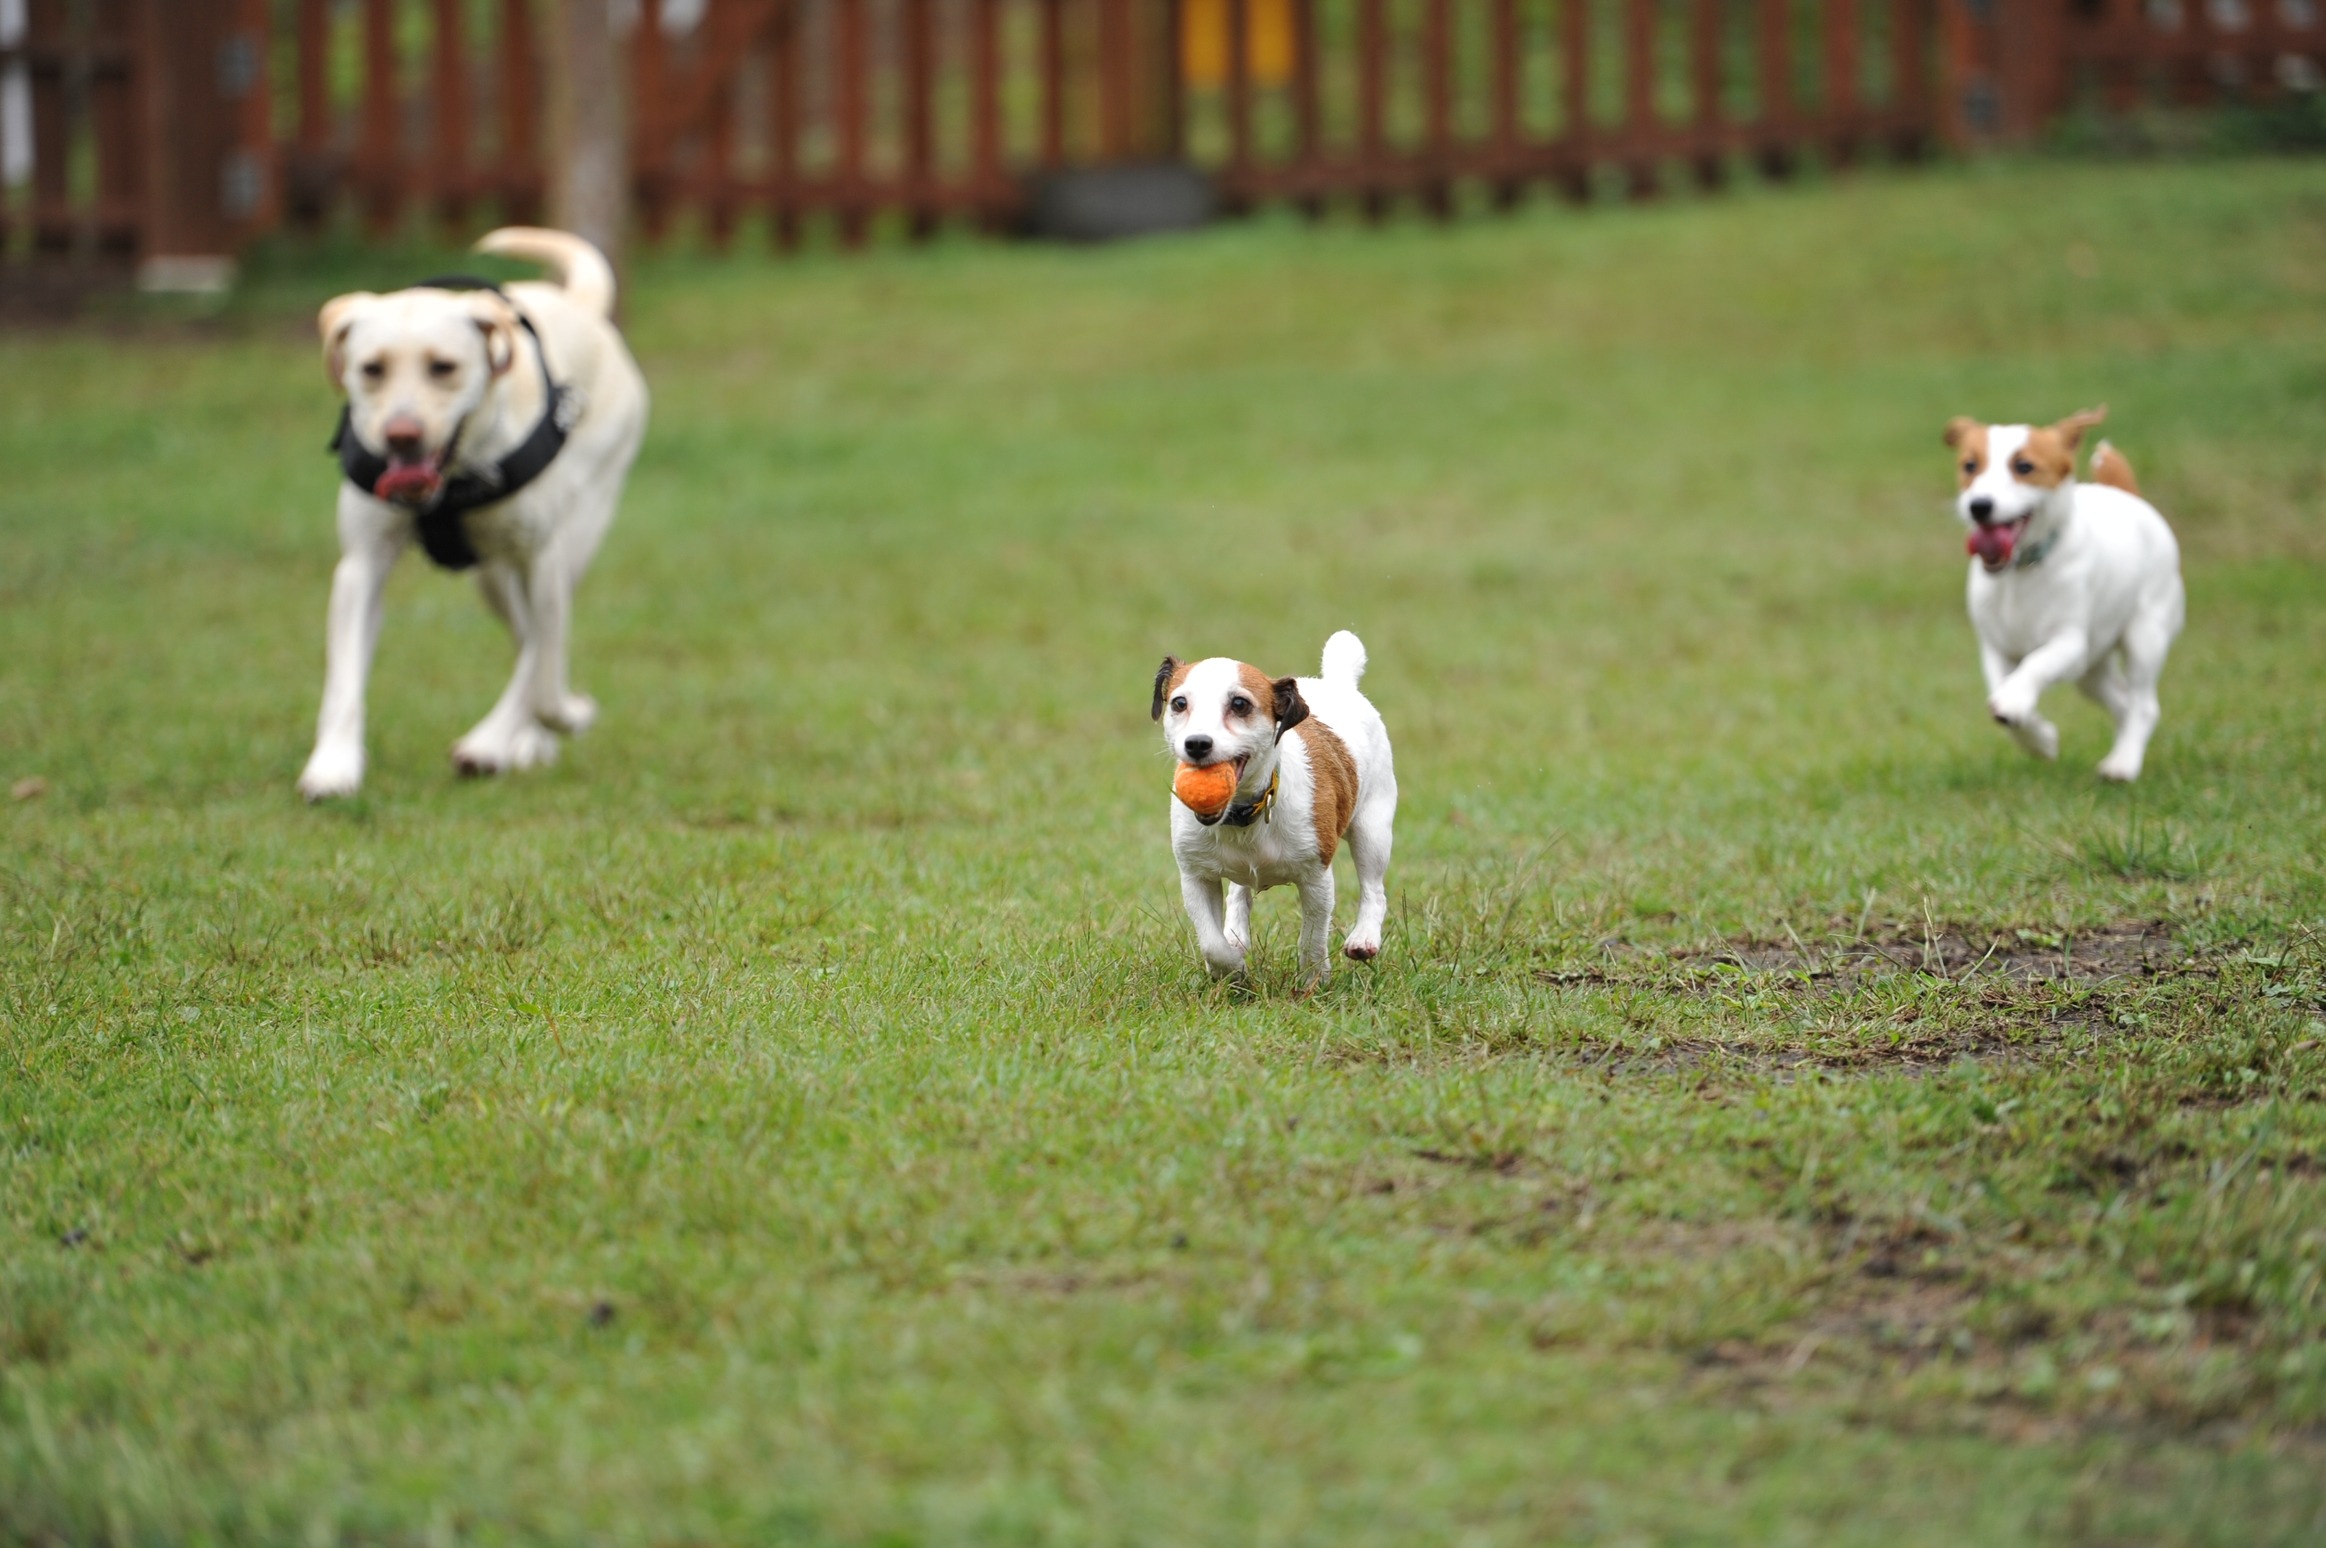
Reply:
x=442, y=532
x=2034, y=553
x=1244, y=813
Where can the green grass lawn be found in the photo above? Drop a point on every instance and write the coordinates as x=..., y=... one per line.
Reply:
x=801, y=1116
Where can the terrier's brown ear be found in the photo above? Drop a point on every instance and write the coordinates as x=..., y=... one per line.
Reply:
x=1162, y=681
x=2071, y=429
x=1959, y=428
x=337, y=316
x=1291, y=708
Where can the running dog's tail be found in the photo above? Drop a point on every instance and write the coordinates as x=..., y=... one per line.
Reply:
x=1344, y=658
x=581, y=270
x=2109, y=466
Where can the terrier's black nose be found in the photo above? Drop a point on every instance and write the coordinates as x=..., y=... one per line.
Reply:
x=1197, y=746
x=1982, y=509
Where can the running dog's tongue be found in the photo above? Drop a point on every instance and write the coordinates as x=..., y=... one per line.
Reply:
x=1992, y=545
x=410, y=482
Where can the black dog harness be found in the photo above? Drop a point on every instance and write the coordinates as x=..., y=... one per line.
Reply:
x=443, y=533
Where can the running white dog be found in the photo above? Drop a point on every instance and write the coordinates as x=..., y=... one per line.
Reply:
x=1298, y=763
x=497, y=427
x=2069, y=582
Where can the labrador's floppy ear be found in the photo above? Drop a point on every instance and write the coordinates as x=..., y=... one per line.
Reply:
x=337, y=316
x=1162, y=681
x=1291, y=708
x=2071, y=429
x=1959, y=428
x=497, y=321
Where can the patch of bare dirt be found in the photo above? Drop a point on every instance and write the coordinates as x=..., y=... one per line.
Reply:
x=2130, y=949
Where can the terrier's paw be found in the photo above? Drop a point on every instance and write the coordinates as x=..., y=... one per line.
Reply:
x=1226, y=964
x=2120, y=770
x=528, y=747
x=574, y=715
x=2011, y=706
x=332, y=772
x=1361, y=951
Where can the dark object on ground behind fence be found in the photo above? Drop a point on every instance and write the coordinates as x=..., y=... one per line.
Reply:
x=160, y=129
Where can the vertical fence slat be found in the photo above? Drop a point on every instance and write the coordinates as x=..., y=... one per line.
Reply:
x=1575, y=70
x=113, y=129
x=1775, y=59
x=1910, y=27
x=448, y=150
x=849, y=103
x=649, y=99
x=1372, y=88
x=1053, y=68
x=1239, y=100
x=1842, y=66
x=715, y=184
x=1115, y=88
x=1704, y=39
x=985, y=89
x=1307, y=124
x=783, y=123
x=1171, y=79
x=2193, y=81
x=1508, y=49
x=1640, y=133
x=48, y=39
x=1437, y=63
x=311, y=48
x=519, y=162
x=920, y=88
x=381, y=153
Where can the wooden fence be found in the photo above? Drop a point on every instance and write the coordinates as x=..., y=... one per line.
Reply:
x=190, y=126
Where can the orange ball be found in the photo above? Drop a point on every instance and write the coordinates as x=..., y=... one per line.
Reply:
x=1208, y=790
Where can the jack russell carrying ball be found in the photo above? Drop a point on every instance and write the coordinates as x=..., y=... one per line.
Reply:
x=1273, y=774
x=2069, y=582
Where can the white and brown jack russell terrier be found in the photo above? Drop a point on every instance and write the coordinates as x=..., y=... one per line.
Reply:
x=2069, y=582
x=1281, y=770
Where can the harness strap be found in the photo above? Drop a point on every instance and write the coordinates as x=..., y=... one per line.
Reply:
x=443, y=533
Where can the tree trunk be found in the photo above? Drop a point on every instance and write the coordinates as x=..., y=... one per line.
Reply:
x=589, y=175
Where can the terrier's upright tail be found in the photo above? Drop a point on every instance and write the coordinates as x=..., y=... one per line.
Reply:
x=2109, y=466
x=1344, y=658
x=581, y=270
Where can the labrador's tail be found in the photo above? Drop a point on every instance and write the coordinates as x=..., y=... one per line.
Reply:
x=581, y=270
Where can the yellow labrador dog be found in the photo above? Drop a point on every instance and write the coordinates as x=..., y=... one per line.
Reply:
x=496, y=428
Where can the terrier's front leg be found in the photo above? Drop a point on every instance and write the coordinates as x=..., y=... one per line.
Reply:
x=1201, y=894
x=1316, y=924
x=2012, y=701
x=1239, y=926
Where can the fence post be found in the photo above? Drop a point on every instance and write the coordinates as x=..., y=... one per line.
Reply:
x=203, y=186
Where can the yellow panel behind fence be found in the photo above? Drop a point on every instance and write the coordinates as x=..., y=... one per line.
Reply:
x=1203, y=41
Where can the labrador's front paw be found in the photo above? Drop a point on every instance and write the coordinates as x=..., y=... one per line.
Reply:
x=481, y=753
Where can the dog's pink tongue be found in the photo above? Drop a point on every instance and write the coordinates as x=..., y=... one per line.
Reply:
x=408, y=481
x=1992, y=545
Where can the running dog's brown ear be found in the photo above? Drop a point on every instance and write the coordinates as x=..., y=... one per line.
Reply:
x=2071, y=429
x=1162, y=682
x=1959, y=428
x=337, y=316
x=497, y=321
x=1291, y=708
